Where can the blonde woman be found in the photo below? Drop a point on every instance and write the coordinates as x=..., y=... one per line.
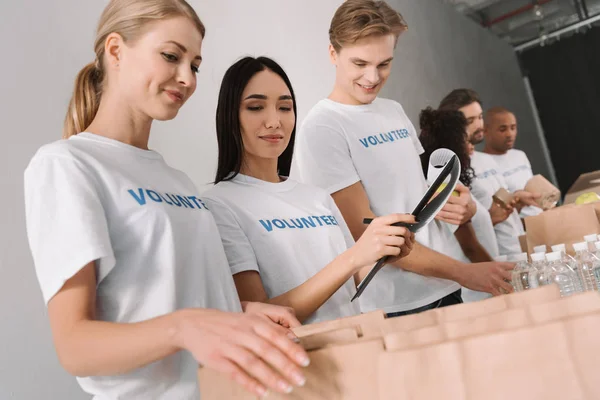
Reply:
x=128, y=258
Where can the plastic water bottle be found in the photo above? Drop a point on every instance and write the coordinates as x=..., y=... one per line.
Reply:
x=540, y=249
x=538, y=262
x=524, y=277
x=591, y=240
x=586, y=263
x=597, y=268
x=570, y=263
x=561, y=274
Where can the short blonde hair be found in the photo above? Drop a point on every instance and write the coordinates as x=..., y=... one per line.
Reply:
x=357, y=19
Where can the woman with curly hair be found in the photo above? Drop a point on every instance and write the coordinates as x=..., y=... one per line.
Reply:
x=447, y=129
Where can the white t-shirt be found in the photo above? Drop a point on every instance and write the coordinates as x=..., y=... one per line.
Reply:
x=516, y=169
x=285, y=231
x=157, y=247
x=484, y=231
x=338, y=145
x=488, y=179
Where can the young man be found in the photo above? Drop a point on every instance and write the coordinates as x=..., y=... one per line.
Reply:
x=365, y=152
x=488, y=174
x=500, y=132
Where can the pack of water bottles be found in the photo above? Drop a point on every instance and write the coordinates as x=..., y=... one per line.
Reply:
x=577, y=274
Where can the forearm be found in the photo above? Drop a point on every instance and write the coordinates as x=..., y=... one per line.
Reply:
x=312, y=294
x=427, y=262
x=470, y=245
x=99, y=348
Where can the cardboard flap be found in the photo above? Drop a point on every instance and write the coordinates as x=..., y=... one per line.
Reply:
x=588, y=182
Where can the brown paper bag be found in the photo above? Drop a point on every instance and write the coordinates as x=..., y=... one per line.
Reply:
x=498, y=322
x=538, y=362
x=409, y=322
x=549, y=194
x=567, y=224
x=471, y=310
x=328, y=338
x=367, y=325
x=525, y=298
x=416, y=338
x=503, y=198
x=568, y=307
x=427, y=373
x=343, y=372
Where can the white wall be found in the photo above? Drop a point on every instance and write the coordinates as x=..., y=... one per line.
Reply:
x=46, y=42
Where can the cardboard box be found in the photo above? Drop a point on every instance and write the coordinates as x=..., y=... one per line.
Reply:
x=523, y=243
x=589, y=182
x=567, y=224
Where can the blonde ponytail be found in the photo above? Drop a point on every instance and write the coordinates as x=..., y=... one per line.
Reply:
x=85, y=100
x=127, y=18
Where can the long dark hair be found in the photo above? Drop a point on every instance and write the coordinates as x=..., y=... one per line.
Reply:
x=229, y=132
x=447, y=129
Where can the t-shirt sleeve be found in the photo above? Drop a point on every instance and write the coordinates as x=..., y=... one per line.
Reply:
x=66, y=223
x=412, y=131
x=481, y=194
x=323, y=158
x=337, y=214
x=239, y=251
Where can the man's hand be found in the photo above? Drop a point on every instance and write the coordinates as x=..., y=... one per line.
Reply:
x=458, y=209
x=524, y=198
x=491, y=277
x=499, y=214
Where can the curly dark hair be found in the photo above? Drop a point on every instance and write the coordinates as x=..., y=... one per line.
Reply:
x=446, y=129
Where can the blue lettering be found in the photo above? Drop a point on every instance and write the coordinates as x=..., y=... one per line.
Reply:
x=364, y=142
x=325, y=219
x=204, y=205
x=297, y=223
x=186, y=203
x=318, y=220
x=154, y=196
x=378, y=141
x=166, y=201
x=141, y=199
x=308, y=222
x=385, y=139
x=390, y=136
x=267, y=225
x=372, y=140
x=288, y=224
x=177, y=203
x=195, y=200
x=278, y=223
x=332, y=219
